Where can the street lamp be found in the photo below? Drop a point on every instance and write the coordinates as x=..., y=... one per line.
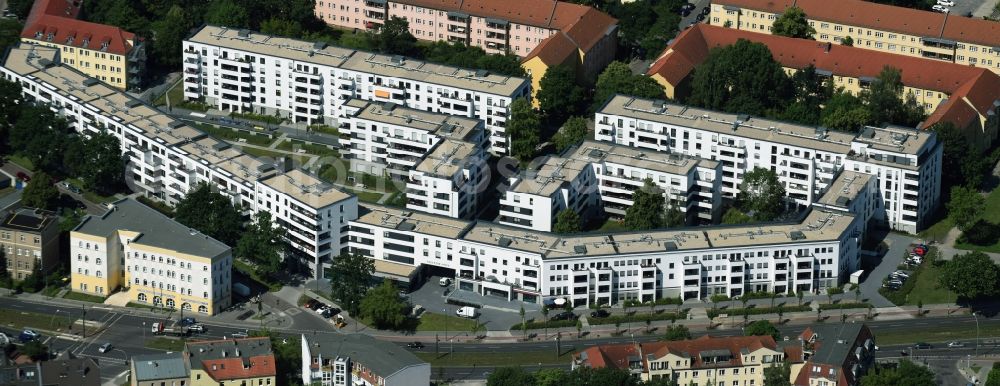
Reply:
x=976, y=317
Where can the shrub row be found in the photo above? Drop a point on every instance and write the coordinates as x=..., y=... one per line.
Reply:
x=757, y=310
x=843, y=306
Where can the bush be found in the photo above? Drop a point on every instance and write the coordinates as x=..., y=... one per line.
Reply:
x=843, y=306
x=638, y=317
x=834, y=290
x=993, y=379
x=758, y=310
x=533, y=325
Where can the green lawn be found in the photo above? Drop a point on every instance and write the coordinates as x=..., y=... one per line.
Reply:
x=51, y=290
x=611, y=226
x=24, y=162
x=436, y=322
x=257, y=117
x=17, y=320
x=249, y=271
x=176, y=94
x=309, y=148
x=140, y=305
x=256, y=152
x=992, y=215
x=166, y=344
x=939, y=230
x=364, y=196
x=83, y=297
x=518, y=358
x=228, y=134
x=928, y=290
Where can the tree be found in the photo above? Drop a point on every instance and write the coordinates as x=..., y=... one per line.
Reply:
x=741, y=78
x=522, y=130
x=579, y=328
x=170, y=33
x=799, y=295
x=567, y=221
x=10, y=31
x=735, y=216
x=847, y=41
x=524, y=322
x=810, y=92
x=762, y=328
x=573, y=132
x=761, y=194
x=971, y=275
x=394, y=37
x=35, y=350
x=558, y=94
x=647, y=208
x=383, y=305
x=40, y=193
x=617, y=78
x=10, y=105
x=6, y=281
x=281, y=27
x=510, y=376
x=965, y=207
x=906, y=373
x=39, y=135
x=677, y=332
x=350, y=275
x=792, y=23
x=717, y=298
x=778, y=375
x=845, y=112
x=227, y=13
x=885, y=100
x=673, y=217
x=262, y=243
x=210, y=213
x=958, y=154
x=103, y=166
x=21, y=8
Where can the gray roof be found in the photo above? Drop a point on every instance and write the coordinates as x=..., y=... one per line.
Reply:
x=228, y=348
x=831, y=351
x=382, y=357
x=153, y=367
x=156, y=229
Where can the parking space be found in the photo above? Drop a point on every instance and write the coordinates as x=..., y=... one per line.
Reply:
x=886, y=264
x=976, y=8
x=497, y=314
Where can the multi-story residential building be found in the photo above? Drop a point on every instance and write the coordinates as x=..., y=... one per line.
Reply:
x=813, y=253
x=156, y=259
x=359, y=360
x=880, y=27
x=231, y=362
x=835, y=355
x=704, y=361
x=29, y=238
x=602, y=175
x=806, y=159
x=167, y=159
x=243, y=71
x=159, y=369
x=449, y=180
x=968, y=97
x=111, y=54
x=386, y=138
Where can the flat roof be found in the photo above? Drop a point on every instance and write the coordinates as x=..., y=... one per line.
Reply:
x=447, y=158
x=548, y=178
x=306, y=188
x=845, y=188
x=411, y=221
x=448, y=126
x=154, y=228
x=896, y=139
x=385, y=65
x=28, y=219
x=610, y=153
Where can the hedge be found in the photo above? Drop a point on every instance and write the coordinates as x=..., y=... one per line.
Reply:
x=533, y=325
x=638, y=317
x=757, y=310
x=843, y=306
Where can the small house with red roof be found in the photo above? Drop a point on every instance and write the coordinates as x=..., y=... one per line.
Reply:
x=247, y=361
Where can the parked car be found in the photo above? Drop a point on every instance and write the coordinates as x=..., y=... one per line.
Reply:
x=4, y=339
x=23, y=177
x=444, y=282
x=901, y=273
x=956, y=344
x=466, y=312
x=700, y=17
x=600, y=314
x=898, y=276
x=705, y=11
x=685, y=12
x=239, y=334
x=946, y=3
x=920, y=251
x=414, y=345
x=199, y=328
x=940, y=8
x=567, y=315
x=105, y=348
x=28, y=335
x=689, y=6
x=188, y=322
x=310, y=303
x=922, y=346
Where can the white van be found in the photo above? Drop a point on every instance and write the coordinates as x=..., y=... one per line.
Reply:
x=466, y=312
x=444, y=282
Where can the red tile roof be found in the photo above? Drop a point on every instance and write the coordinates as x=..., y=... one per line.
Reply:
x=979, y=85
x=233, y=368
x=55, y=21
x=886, y=17
x=554, y=50
x=617, y=355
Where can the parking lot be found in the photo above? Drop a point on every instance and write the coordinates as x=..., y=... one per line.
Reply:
x=497, y=314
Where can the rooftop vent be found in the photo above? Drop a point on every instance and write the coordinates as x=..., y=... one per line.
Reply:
x=397, y=59
x=504, y=242
x=90, y=82
x=243, y=33
x=580, y=249
x=319, y=45
x=797, y=235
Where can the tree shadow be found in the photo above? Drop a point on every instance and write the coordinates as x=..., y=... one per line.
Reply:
x=982, y=233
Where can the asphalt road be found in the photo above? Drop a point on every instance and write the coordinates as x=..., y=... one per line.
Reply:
x=92, y=208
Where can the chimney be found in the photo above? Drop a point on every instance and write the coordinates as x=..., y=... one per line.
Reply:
x=828, y=46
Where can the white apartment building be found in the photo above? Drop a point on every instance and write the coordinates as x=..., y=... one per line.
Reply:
x=167, y=159
x=526, y=265
x=602, y=174
x=449, y=180
x=243, y=71
x=907, y=162
x=159, y=261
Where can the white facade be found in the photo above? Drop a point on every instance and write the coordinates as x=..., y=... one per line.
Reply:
x=304, y=82
x=449, y=180
x=167, y=159
x=816, y=253
x=605, y=175
x=806, y=159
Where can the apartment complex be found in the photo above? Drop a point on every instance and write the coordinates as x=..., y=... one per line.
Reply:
x=108, y=53
x=156, y=259
x=906, y=162
x=835, y=355
x=602, y=176
x=159, y=370
x=707, y=360
x=960, y=94
x=242, y=71
x=231, y=362
x=449, y=180
x=167, y=159
x=815, y=252
x=873, y=26
x=359, y=360
x=29, y=238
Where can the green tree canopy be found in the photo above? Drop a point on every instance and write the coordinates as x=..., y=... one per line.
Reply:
x=677, y=332
x=845, y=112
x=965, y=207
x=573, y=132
x=350, y=276
x=40, y=136
x=567, y=221
x=778, y=375
x=510, y=376
x=227, y=13
x=741, y=78
x=40, y=193
x=735, y=216
x=383, y=305
x=793, y=23
x=394, y=37
x=10, y=32
x=886, y=101
x=762, y=328
x=460, y=55
x=170, y=33
x=21, y=8
x=210, y=213
x=617, y=78
x=35, y=350
x=646, y=211
x=905, y=374
x=263, y=244
x=761, y=194
x=522, y=130
x=558, y=94
x=103, y=168
x=971, y=275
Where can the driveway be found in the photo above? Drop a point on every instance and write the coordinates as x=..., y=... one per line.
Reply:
x=886, y=264
x=496, y=314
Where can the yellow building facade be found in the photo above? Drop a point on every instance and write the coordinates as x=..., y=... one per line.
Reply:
x=109, y=68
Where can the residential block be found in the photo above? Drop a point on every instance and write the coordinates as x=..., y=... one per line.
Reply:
x=29, y=239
